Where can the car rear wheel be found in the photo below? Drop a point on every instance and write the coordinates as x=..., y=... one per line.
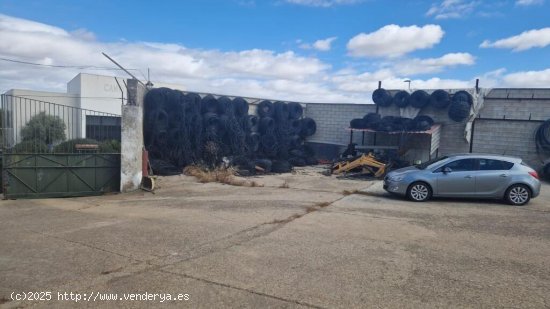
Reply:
x=518, y=195
x=419, y=192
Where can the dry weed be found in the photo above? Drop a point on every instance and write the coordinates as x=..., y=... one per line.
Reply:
x=219, y=174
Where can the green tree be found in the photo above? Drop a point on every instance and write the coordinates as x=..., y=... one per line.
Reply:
x=46, y=128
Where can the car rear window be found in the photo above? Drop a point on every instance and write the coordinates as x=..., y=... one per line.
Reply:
x=494, y=165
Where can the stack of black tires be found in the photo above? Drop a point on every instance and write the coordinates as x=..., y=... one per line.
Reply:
x=375, y=122
x=457, y=104
x=184, y=128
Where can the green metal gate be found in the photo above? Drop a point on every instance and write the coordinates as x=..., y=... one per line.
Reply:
x=52, y=150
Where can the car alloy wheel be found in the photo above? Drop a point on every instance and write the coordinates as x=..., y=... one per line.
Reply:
x=518, y=195
x=419, y=192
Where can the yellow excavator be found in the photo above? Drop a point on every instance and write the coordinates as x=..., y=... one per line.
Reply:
x=367, y=164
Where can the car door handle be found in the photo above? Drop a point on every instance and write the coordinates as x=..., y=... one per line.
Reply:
x=503, y=175
x=469, y=176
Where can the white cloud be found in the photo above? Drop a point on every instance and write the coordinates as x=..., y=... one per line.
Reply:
x=200, y=70
x=324, y=45
x=432, y=65
x=320, y=45
x=369, y=81
x=528, y=79
x=394, y=40
x=452, y=9
x=323, y=3
x=254, y=72
x=529, y=2
x=525, y=40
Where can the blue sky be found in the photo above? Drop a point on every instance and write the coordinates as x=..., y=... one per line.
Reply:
x=309, y=50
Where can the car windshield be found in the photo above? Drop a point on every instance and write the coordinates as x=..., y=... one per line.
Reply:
x=423, y=166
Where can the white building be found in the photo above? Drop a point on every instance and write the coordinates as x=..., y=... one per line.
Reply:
x=91, y=105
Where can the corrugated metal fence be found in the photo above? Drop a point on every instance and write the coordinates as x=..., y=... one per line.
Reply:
x=53, y=150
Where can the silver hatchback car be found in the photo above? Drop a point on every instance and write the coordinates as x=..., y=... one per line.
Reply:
x=466, y=175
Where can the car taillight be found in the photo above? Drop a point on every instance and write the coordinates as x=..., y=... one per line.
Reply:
x=534, y=174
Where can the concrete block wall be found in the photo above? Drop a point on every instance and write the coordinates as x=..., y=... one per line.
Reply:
x=517, y=104
x=333, y=119
x=513, y=138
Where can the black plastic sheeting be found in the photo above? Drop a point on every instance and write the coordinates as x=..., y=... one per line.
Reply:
x=182, y=129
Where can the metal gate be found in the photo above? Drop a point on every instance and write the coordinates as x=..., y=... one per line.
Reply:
x=54, y=150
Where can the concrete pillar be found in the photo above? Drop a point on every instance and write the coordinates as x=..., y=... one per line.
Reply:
x=132, y=137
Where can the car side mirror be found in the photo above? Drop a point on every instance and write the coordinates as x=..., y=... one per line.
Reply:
x=447, y=170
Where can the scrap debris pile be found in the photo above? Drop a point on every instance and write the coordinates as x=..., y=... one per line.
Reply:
x=181, y=129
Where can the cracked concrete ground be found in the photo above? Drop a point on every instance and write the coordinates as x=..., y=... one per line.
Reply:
x=308, y=245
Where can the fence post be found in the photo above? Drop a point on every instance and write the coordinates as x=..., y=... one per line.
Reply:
x=132, y=137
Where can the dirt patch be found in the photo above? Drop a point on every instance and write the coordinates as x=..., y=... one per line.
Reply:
x=358, y=192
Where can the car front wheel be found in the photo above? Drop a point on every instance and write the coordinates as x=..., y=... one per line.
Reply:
x=518, y=195
x=419, y=192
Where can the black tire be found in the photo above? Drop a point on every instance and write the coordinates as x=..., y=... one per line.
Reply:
x=265, y=109
x=423, y=122
x=268, y=145
x=463, y=95
x=212, y=120
x=312, y=161
x=372, y=117
x=265, y=164
x=408, y=124
x=386, y=124
x=252, y=142
x=295, y=110
x=281, y=166
x=296, y=141
x=209, y=104
x=193, y=103
x=159, y=120
x=358, y=123
x=267, y=125
x=240, y=107
x=459, y=111
x=226, y=106
x=401, y=99
x=518, y=195
x=296, y=161
x=154, y=99
x=280, y=111
x=419, y=99
x=419, y=191
x=309, y=127
x=381, y=97
x=440, y=99
x=295, y=126
x=372, y=120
